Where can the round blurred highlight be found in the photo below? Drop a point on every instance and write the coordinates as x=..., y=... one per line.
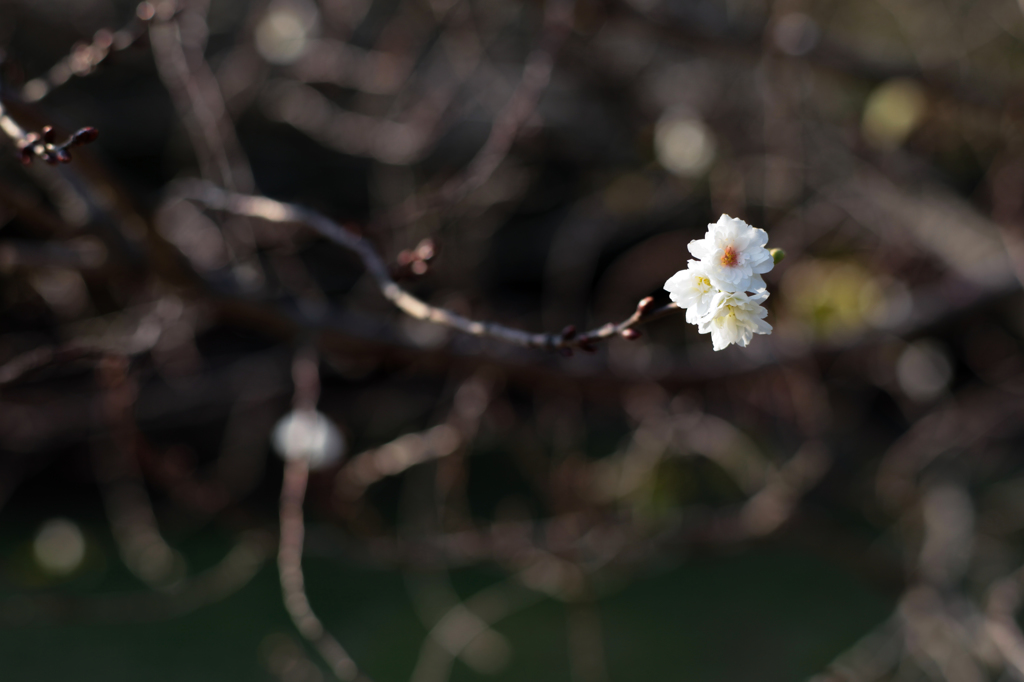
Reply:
x=832, y=298
x=282, y=36
x=924, y=370
x=59, y=547
x=309, y=435
x=893, y=111
x=684, y=145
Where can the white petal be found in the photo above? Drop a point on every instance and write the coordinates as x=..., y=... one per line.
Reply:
x=701, y=248
x=760, y=237
x=763, y=265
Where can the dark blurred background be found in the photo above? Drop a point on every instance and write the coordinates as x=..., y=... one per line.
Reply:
x=842, y=501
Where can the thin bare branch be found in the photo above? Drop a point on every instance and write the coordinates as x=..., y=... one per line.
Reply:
x=293, y=584
x=197, y=97
x=43, y=145
x=84, y=58
x=44, y=356
x=275, y=211
x=558, y=18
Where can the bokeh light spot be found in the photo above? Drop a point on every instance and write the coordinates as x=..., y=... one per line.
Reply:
x=684, y=145
x=59, y=547
x=893, y=110
x=282, y=36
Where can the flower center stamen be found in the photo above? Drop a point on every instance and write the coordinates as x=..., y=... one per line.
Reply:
x=730, y=257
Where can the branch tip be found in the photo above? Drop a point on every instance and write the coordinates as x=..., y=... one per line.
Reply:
x=645, y=306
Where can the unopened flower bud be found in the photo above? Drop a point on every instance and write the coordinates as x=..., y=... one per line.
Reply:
x=49, y=134
x=777, y=255
x=85, y=136
x=645, y=306
x=631, y=334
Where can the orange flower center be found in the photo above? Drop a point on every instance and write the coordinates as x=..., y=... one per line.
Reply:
x=730, y=257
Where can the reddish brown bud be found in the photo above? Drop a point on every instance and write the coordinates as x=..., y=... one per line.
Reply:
x=62, y=155
x=85, y=135
x=26, y=154
x=631, y=334
x=645, y=306
x=569, y=332
x=49, y=135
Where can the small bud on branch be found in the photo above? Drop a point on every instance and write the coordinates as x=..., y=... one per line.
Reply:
x=414, y=262
x=43, y=146
x=564, y=342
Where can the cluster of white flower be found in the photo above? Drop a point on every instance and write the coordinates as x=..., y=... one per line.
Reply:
x=722, y=292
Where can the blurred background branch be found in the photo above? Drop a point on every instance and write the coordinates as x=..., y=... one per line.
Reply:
x=334, y=229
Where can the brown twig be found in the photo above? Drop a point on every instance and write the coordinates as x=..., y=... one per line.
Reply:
x=275, y=211
x=38, y=358
x=198, y=100
x=289, y=565
x=558, y=19
x=227, y=577
x=1001, y=622
x=129, y=509
x=43, y=145
x=306, y=376
x=84, y=58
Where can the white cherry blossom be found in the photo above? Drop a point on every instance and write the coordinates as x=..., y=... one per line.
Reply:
x=734, y=317
x=722, y=292
x=691, y=289
x=734, y=255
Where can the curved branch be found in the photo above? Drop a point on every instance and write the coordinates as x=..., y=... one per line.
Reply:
x=289, y=565
x=275, y=211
